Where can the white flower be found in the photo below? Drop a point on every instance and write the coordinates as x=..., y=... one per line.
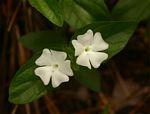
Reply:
x=87, y=47
x=54, y=66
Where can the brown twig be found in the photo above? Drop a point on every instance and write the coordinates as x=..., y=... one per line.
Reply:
x=27, y=108
x=142, y=101
x=119, y=78
x=37, y=107
x=14, y=16
x=50, y=105
x=14, y=109
x=105, y=101
x=21, y=50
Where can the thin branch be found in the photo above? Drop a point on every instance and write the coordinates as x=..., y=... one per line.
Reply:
x=50, y=105
x=14, y=109
x=119, y=78
x=27, y=108
x=14, y=16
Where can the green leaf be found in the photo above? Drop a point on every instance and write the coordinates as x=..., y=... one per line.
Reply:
x=75, y=15
x=115, y=33
x=96, y=8
x=89, y=78
x=43, y=39
x=79, y=13
x=25, y=86
x=131, y=10
x=50, y=9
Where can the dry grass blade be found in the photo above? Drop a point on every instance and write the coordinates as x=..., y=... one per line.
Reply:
x=50, y=105
x=11, y=22
x=14, y=109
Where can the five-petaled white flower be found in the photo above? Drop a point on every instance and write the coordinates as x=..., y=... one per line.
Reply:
x=54, y=66
x=87, y=47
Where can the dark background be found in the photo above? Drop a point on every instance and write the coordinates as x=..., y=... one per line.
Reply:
x=125, y=79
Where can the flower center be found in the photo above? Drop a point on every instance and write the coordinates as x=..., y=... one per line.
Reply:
x=55, y=67
x=88, y=48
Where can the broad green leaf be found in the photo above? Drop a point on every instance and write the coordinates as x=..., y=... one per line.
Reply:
x=89, y=78
x=25, y=86
x=96, y=8
x=115, y=33
x=43, y=39
x=79, y=13
x=75, y=15
x=50, y=9
x=131, y=10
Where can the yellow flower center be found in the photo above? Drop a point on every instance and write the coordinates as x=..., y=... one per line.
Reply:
x=87, y=49
x=55, y=67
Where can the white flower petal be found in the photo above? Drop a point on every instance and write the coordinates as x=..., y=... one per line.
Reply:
x=98, y=43
x=83, y=60
x=44, y=73
x=58, y=77
x=65, y=67
x=96, y=58
x=58, y=56
x=45, y=58
x=78, y=47
x=86, y=39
